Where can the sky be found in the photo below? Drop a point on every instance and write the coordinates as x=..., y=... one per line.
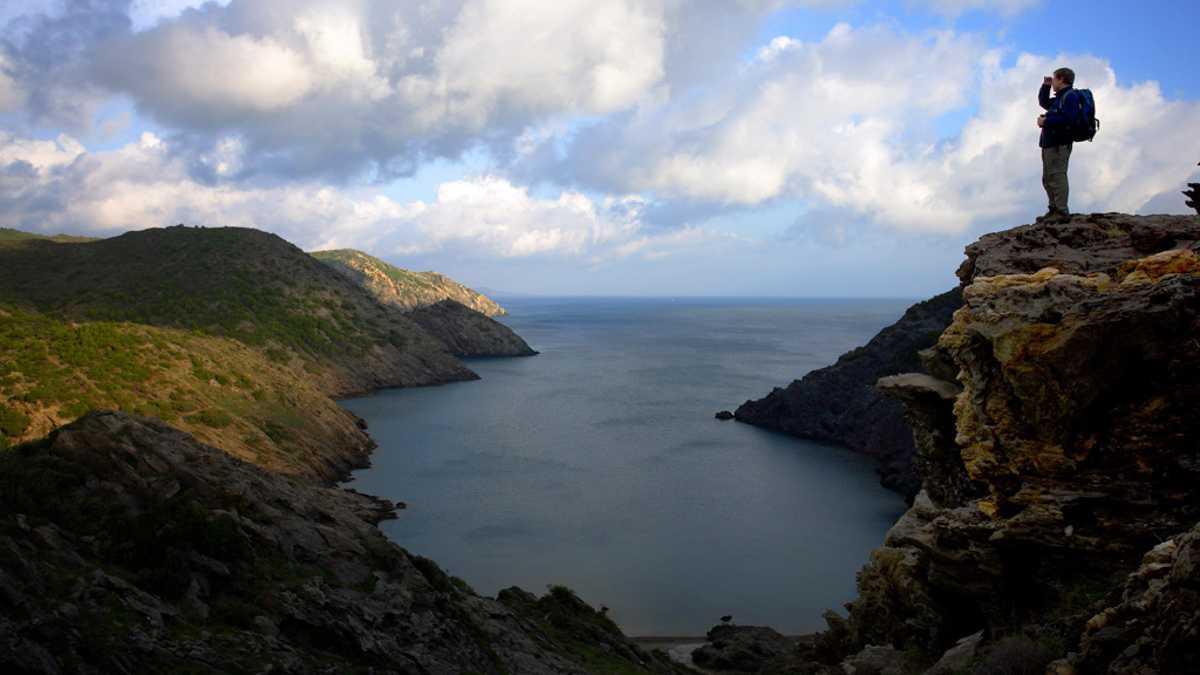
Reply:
x=803, y=148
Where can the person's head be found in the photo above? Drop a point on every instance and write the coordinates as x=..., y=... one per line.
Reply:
x=1063, y=78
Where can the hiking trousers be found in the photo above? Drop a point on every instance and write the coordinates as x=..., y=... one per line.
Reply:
x=1054, y=176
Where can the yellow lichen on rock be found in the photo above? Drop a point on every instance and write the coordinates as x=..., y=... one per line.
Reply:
x=1154, y=267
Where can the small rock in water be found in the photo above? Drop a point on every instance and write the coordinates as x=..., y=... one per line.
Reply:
x=724, y=415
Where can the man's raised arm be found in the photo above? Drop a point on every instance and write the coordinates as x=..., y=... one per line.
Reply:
x=1044, y=95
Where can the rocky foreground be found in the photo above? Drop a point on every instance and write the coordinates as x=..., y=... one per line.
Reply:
x=128, y=547
x=1057, y=441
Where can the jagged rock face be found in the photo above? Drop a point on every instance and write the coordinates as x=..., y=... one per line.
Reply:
x=466, y=332
x=840, y=404
x=1075, y=434
x=1156, y=626
x=1080, y=405
x=128, y=547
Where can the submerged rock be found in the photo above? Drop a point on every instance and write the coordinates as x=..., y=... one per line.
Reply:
x=724, y=415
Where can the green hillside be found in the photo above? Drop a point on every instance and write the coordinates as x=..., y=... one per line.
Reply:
x=247, y=285
x=234, y=335
x=8, y=235
x=404, y=288
x=227, y=394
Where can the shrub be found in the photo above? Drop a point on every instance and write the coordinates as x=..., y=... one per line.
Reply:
x=12, y=422
x=217, y=419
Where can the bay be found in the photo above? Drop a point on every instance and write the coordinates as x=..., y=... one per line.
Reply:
x=598, y=463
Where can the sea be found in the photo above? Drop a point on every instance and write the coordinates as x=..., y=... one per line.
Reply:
x=598, y=463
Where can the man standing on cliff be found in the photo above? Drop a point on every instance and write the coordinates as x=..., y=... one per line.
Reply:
x=1057, y=125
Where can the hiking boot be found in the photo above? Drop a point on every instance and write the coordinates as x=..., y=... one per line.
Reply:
x=1054, y=216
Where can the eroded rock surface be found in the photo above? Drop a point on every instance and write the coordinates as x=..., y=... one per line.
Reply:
x=128, y=547
x=1073, y=451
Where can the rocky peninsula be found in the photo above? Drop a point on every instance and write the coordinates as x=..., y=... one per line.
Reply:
x=839, y=404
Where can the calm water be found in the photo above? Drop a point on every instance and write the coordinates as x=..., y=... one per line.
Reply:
x=598, y=464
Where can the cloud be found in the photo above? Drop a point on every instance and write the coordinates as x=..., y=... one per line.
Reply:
x=207, y=76
x=848, y=123
x=44, y=59
x=372, y=88
x=12, y=98
x=317, y=87
x=59, y=186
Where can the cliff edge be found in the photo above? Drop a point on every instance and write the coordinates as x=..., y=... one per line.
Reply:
x=1056, y=435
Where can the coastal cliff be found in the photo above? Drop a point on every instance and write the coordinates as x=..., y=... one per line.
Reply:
x=839, y=403
x=126, y=546
x=1057, y=436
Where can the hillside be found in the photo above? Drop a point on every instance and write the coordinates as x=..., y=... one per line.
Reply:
x=128, y=547
x=225, y=393
x=8, y=234
x=241, y=284
x=402, y=288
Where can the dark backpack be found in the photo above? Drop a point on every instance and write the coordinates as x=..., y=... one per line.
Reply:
x=1086, y=124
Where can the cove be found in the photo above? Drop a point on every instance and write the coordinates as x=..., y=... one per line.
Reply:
x=598, y=464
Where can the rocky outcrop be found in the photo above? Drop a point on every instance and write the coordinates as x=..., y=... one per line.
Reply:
x=741, y=649
x=1156, y=625
x=839, y=404
x=1055, y=427
x=1070, y=452
x=403, y=288
x=128, y=547
x=466, y=332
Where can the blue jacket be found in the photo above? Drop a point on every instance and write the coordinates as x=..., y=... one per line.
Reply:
x=1062, y=115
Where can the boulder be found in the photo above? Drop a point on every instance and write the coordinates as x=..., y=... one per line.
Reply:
x=740, y=649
